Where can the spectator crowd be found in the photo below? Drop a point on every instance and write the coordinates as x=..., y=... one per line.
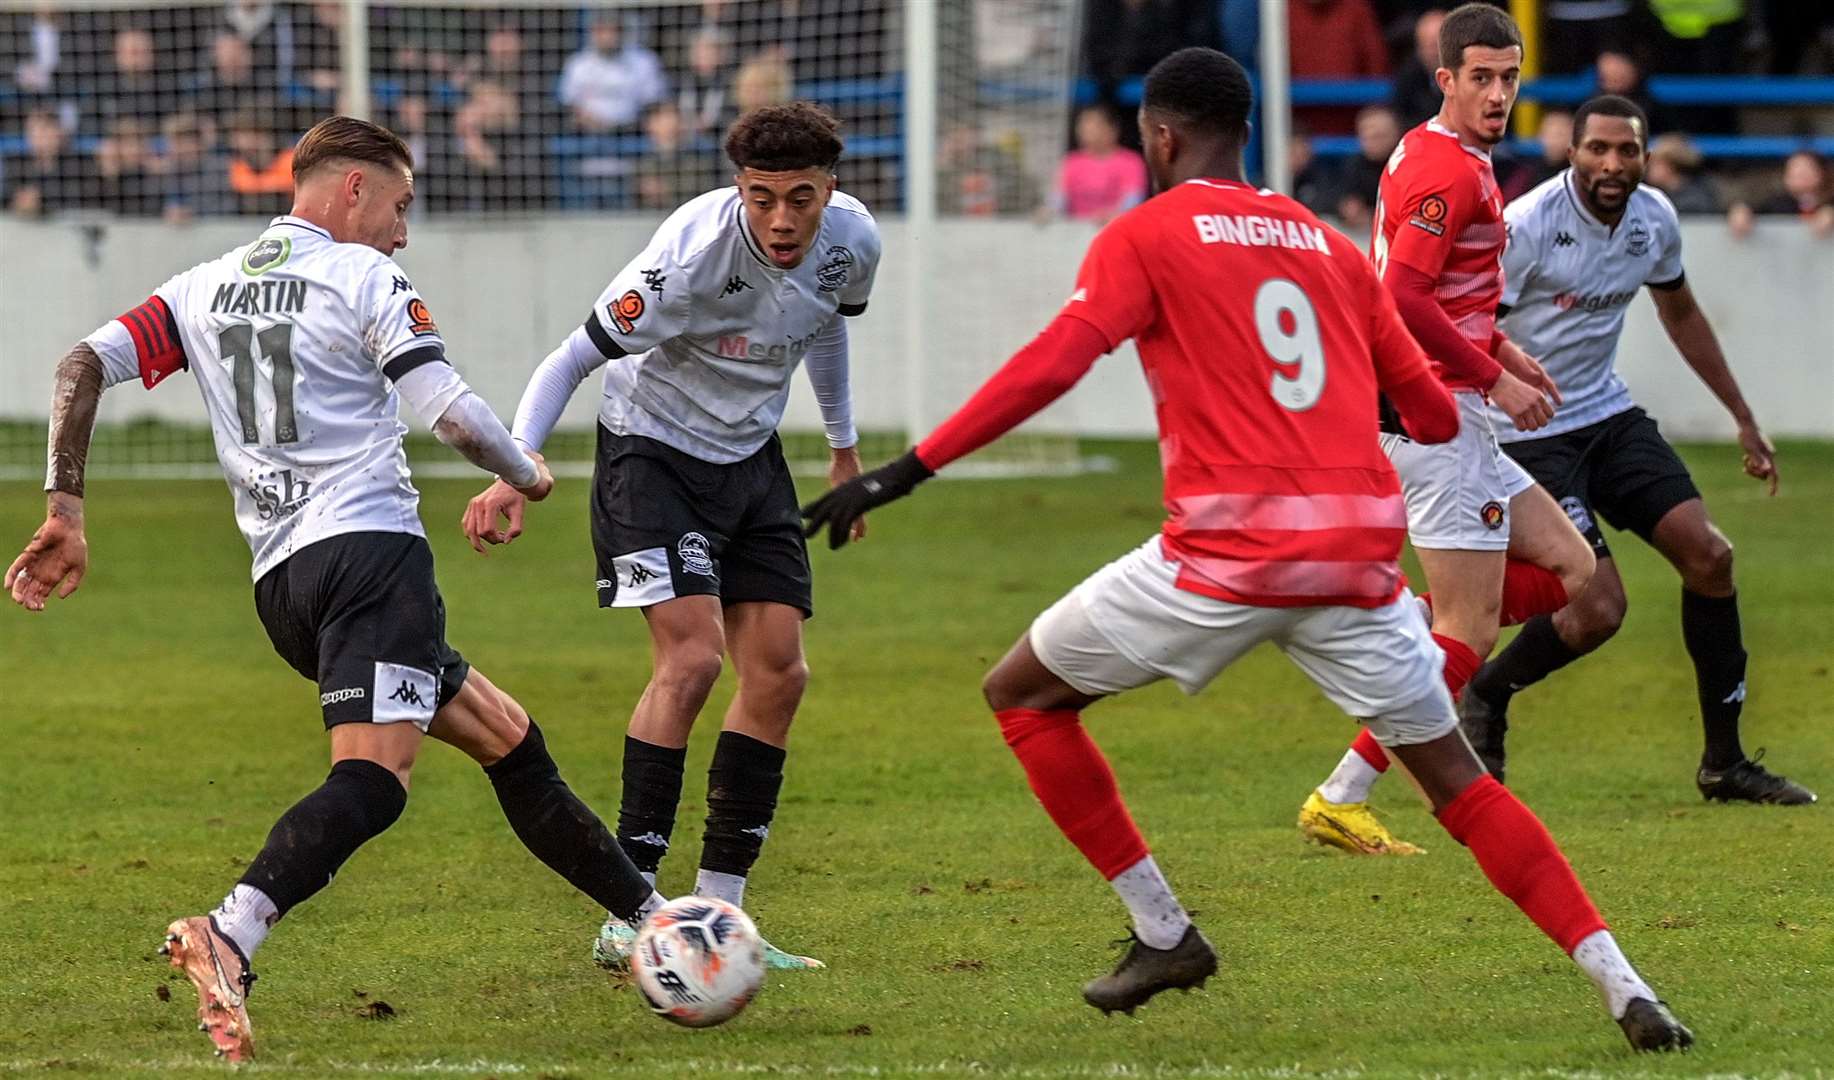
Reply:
x=186, y=110
x=192, y=109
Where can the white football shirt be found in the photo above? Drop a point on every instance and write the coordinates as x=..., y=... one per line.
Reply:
x=703, y=331
x=1568, y=279
x=295, y=341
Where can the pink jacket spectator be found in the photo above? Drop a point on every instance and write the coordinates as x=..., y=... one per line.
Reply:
x=1096, y=188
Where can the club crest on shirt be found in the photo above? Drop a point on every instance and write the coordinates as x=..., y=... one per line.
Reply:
x=1492, y=515
x=1430, y=215
x=833, y=274
x=1636, y=239
x=266, y=254
x=420, y=320
x=696, y=554
x=626, y=310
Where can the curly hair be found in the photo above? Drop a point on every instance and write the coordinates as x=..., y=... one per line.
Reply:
x=1206, y=89
x=784, y=138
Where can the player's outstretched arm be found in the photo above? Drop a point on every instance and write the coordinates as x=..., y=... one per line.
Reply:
x=58, y=555
x=1037, y=375
x=1693, y=336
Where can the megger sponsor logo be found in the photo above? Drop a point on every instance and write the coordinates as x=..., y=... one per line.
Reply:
x=740, y=347
x=1254, y=230
x=349, y=693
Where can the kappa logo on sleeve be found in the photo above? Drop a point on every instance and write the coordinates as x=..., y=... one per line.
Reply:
x=626, y=310
x=1430, y=215
x=420, y=320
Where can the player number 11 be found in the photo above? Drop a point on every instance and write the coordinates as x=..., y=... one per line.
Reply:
x=237, y=341
x=1278, y=304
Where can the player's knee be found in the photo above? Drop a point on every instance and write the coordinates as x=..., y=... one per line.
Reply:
x=1708, y=568
x=783, y=679
x=1600, y=615
x=374, y=791
x=688, y=669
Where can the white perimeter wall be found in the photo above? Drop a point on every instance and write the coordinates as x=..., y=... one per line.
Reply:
x=505, y=292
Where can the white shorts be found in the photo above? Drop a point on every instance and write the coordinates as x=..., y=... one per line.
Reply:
x=1129, y=624
x=1458, y=492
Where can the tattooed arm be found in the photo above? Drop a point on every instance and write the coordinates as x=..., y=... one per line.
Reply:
x=58, y=555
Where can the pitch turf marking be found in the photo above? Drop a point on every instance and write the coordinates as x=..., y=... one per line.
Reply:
x=701, y=1067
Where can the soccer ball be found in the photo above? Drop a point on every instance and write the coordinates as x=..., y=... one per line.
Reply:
x=698, y=961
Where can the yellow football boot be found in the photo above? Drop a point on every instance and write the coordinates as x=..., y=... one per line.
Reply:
x=1350, y=827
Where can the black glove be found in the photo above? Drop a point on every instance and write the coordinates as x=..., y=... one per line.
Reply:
x=844, y=505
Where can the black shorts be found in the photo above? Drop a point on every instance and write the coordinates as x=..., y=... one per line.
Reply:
x=360, y=615
x=1620, y=469
x=667, y=524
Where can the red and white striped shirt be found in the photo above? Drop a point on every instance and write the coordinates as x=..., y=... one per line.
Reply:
x=1264, y=335
x=1440, y=212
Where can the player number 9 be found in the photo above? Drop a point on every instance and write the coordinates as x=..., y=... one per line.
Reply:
x=1276, y=302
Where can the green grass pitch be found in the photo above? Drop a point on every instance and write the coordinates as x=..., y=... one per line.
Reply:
x=151, y=737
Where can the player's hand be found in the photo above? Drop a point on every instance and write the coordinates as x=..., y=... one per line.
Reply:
x=1528, y=369
x=544, y=479
x=499, y=500
x=846, y=504
x=844, y=465
x=55, y=560
x=1760, y=455
x=1526, y=405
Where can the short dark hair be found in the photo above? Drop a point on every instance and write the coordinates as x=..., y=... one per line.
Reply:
x=784, y=138
x=1204, y=88
x=1475, y=24
x=345, y=138
x=1612, y=105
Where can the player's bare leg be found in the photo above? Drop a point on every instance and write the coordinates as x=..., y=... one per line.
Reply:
x=1688, y=539
x=1467, y=589
x=1524, y=864
x=1540, y=535
x=746, y=775
x=687, y=650
x=363, y=796
x=1039, y=716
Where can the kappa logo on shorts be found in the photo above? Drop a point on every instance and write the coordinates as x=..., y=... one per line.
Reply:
x=696, y=554
x=1575, y=509
x=404, y=693
x=639, y=574
x=332, y=697
x=1492, y=515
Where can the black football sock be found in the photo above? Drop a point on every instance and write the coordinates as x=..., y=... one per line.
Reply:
x=357, y=801
x=742, y=787
x=1710, y=628
x=562, y=831
x=1536, y=653
x=652, y=791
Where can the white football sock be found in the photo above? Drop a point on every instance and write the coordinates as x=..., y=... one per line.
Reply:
x=1159, y=920
x=727, y=887
x=1604, y=963
x=1350, y=781
x=649, y=876
x=245, y=916
x=655, y=901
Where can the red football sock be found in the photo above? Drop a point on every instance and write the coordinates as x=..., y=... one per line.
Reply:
x=1371, y=751
x=1073, y=781
x=1522, y=860
x=1461, y=663
x=1528, y=591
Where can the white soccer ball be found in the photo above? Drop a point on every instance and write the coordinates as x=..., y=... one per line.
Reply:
x=698, y=961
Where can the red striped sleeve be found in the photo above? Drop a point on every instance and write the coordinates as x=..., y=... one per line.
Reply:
x=156, y=340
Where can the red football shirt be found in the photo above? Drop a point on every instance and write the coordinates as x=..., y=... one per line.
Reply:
x=1440, y=212
x=1261, y=331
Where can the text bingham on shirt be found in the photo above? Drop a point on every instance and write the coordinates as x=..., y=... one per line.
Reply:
x=1256, y=230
